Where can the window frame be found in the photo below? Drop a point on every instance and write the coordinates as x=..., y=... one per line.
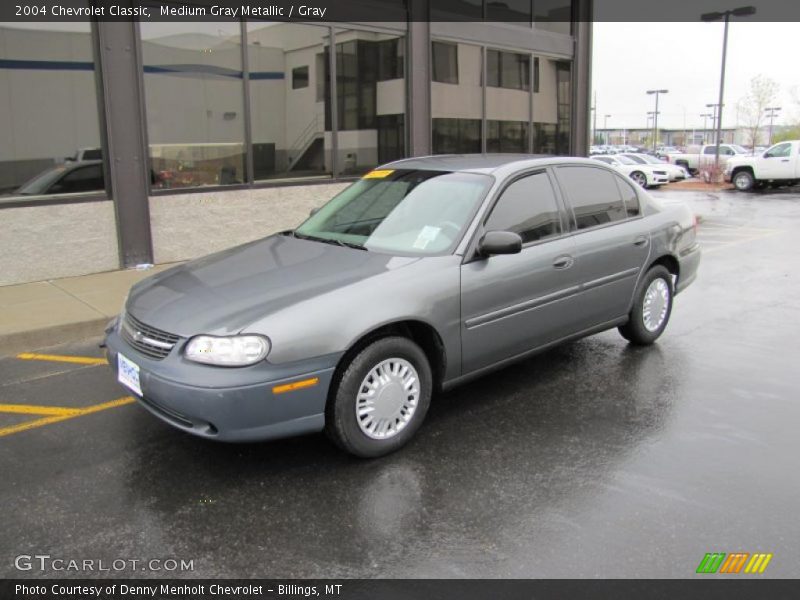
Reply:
x=298, y=70
x=453, y=45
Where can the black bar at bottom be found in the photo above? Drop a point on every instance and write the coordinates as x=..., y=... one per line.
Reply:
x=706, y=587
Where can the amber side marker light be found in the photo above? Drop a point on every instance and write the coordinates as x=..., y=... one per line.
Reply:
x=295, y=385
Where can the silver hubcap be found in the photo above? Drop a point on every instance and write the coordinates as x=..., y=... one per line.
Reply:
x=742, y=181
x=656, y=303
x=387, y=398
x=640, y=179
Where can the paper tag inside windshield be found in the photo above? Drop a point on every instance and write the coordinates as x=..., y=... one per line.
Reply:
x=426, y=236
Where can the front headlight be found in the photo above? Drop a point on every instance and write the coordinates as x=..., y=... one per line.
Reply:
x=231, y=351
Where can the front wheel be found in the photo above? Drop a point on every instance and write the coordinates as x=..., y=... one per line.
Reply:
x=744, y=181
x=640, y=178
x=381, y=398
x=651, y=310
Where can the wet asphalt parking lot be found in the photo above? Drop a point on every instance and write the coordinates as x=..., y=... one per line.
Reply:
x=594, y=459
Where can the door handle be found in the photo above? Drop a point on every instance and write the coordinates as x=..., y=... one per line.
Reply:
x=563, y=262
x=785, y=160
x=640, y=241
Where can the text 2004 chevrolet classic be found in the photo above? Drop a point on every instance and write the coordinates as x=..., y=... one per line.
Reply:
x=421, y=275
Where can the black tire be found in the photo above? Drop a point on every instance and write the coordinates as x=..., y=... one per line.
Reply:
x=743, y=181
x=635, y=330
x=341, y=422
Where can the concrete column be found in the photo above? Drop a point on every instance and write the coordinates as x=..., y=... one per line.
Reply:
x=126, y=147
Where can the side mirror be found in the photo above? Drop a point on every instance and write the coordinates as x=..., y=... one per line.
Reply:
x=500, y=242
x=313, y=211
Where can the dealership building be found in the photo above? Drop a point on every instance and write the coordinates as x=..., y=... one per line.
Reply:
x=153, y=142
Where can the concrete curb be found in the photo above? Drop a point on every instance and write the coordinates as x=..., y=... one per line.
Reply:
x=25, y=341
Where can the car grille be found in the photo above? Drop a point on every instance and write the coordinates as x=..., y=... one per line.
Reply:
x=151, y=342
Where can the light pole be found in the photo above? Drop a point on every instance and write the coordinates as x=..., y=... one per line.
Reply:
x=605, y=126
x=773, y=112
x=655, y=115
x=650, y=116
x=705, y=125
x=742, y=11
x=713, y=108
x=594, y=120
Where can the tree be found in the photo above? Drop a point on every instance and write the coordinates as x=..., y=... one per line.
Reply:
x=792, y=131
x=751, y=108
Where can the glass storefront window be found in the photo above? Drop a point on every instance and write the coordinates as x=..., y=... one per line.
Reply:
x=194, y=98
x=507, y=136
x=551, y=107
x=288, y=65
x=564, y=100
x=444, y=62
x=370, y=100
x=457, y=107
x=50, y=142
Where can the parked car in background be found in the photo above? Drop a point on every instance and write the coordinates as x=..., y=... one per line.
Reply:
x=422, y=275
x=698, y=157
x=779, y=165
x=674, y=172
x=663, y=151
x=645, y=175
x=85, y=154
x=70, y=178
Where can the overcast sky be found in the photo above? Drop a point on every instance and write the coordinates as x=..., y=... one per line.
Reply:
x=685, y=58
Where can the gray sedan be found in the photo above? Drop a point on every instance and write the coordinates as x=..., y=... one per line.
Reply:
x=423, y=274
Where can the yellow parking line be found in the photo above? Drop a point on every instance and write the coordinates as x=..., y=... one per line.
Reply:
x=56, y=417
x=80, y=360
x=30, y=409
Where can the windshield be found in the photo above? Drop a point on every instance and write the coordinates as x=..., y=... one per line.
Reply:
x=739, y=150
x=636, y=159
x=400, y=211
x=41, y=183
x=652, y=160
x=625, y=160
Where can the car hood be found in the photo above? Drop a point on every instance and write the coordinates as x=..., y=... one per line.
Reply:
x=225, y=292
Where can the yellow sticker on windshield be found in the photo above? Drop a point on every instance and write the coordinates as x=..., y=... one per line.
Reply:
x=378, y=174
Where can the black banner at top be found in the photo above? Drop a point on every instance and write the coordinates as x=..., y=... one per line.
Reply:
x=333, y=11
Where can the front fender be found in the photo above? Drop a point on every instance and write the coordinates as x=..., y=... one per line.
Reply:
x=427, y=290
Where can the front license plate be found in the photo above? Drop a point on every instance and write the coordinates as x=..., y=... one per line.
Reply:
x=128, y=374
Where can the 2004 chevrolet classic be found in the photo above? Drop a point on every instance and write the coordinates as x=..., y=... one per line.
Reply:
x=421, y=275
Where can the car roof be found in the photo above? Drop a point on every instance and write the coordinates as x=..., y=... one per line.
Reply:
x=489, y=164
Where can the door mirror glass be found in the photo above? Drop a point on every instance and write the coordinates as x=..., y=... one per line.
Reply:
x=500, y=242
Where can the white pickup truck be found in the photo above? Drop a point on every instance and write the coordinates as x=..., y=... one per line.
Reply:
x=703, y=156
x=778, y=165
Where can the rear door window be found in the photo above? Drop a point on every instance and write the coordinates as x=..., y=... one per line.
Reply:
x=593, y=195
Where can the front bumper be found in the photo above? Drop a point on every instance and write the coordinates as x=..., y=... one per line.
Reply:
x=229, y=404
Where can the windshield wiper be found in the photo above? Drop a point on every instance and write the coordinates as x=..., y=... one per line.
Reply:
x=303, y=236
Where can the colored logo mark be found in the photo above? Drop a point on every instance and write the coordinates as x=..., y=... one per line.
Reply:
x=720, y=562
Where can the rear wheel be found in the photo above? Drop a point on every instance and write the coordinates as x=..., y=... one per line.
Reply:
x=651, y=310
x=380, y=399
x=640, y=178
x=743, y=181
